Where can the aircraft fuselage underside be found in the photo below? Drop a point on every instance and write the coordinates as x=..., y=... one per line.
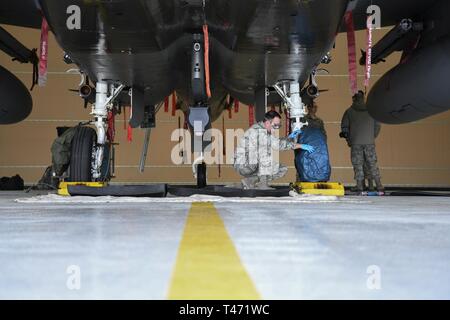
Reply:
x=147, y=43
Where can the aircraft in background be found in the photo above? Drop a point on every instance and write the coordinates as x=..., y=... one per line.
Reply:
x=259, y=52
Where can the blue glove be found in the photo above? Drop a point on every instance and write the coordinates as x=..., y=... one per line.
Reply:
x=308, y=148
x=294, y=134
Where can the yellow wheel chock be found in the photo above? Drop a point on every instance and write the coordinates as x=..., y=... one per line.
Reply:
x=319, y=188
x=62, y=189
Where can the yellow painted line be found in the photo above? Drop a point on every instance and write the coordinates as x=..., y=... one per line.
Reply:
x=208, y=266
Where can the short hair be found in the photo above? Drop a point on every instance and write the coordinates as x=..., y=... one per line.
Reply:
x=271, y=115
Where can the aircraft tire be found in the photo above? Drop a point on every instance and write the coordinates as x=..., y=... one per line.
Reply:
x=81, y=155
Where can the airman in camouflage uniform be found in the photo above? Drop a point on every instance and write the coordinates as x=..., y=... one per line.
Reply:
x=257, y=155
x=368, y=177
x=360, y=131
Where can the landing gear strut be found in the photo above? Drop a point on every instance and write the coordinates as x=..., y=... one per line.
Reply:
x=105, y=95
x=91, y=150
x=291, y=95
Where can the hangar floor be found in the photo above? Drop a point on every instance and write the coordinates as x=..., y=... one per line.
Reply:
x=355, y=247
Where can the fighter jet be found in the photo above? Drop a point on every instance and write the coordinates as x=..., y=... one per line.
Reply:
x=137, y=52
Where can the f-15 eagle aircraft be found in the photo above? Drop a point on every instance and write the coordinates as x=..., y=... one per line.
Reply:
x=256, y=51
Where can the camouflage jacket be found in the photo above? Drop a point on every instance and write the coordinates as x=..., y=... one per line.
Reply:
x=360, y=127
x=259, y=147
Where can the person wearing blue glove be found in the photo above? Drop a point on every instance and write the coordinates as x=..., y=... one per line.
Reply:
x=307, y=147
x=294, y=134
x=256, y=156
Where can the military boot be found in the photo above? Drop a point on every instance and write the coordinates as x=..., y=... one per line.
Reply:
x=370, y=185
x=359, y=186
x=379, y=185
x=250, y=182
x=263, y=183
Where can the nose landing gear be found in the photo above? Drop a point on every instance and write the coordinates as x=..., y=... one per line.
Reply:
x=92, y=153
x=199, y=114
x=291, y=95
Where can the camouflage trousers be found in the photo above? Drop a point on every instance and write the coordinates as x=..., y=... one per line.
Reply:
x=252, y=170
x=367, y=173
x=364, y=161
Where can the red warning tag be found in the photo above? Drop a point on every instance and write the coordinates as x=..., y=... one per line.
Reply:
x=43, y=54
x=236, y=106
x=174, y=103
x=251, y=115
x=368, y=52
x=351, y=45
x=166, y=104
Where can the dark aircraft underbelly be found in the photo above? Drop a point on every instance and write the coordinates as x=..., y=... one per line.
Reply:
x=147, y=43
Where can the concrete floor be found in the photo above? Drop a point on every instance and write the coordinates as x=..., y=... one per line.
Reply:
x=363, y=248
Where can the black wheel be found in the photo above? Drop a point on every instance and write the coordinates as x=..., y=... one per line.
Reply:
x=82, y=154
x=201, y=175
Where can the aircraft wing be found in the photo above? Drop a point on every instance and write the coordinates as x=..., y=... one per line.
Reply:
x=16, y=99
x=23, y=13
x=417, y=87
x=391, y=11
